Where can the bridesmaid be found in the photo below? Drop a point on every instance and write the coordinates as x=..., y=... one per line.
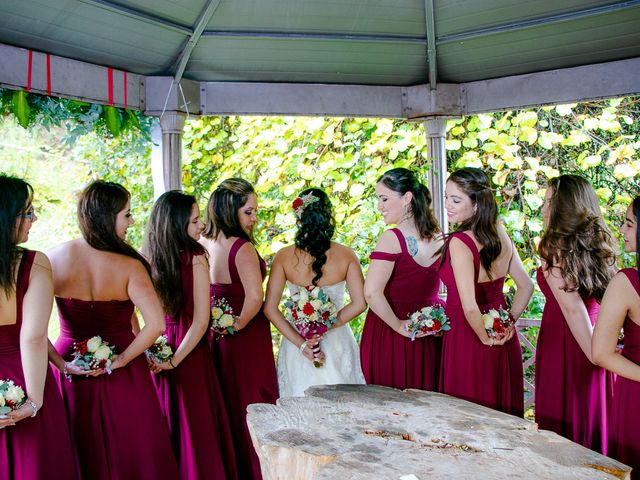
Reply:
x=620, y=308
x=577, y=256
x=404, y=267
x=477, y=256
x=116, y=419
x=34, y=439
x=245, y=359
x=187, y=384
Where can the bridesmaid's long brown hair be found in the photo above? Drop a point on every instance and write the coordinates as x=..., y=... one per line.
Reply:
x=484, y=223
x=98, y=208
x=222, y=209
x=577, y=239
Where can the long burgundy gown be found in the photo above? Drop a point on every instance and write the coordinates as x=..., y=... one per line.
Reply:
x=570, y=391
x=191, y=400
x=246, y=366
x=116, y=421
x=624, y=411
x=39, y=447
x=387, y=357
x=490, y=376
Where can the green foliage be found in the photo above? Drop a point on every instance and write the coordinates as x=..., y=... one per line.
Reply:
x=79, y=118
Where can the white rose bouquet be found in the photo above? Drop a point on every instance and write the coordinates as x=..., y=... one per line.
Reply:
x=496, y=322
x=160, y=351
x=429, y=321
x=311, y=312
x=222, y=319
x=12, y=397
x=93, y=353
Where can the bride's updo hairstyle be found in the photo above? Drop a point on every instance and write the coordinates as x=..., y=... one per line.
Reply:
x=98, y=207
x=316, y=227
x=576, y=238
x=484, y=222
x=402, y=180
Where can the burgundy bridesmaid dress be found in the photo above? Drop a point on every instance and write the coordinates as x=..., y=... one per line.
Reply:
x=624, y=412
x=570, y=391
x=39, y=447
x=387, y=357
x=490, y=376
x=191, y=400
x=245, y=365
x=116, y=421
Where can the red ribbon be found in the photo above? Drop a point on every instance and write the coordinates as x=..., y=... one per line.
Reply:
x=110, y=84
x=48, y=74
x=125, y=89
x=29, y=65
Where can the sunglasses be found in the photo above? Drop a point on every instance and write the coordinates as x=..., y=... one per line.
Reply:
x=29, y=214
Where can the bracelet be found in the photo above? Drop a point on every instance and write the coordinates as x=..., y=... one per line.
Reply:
x=303, y=346
x=33, y=406
x=171, y=363
x=66, y=373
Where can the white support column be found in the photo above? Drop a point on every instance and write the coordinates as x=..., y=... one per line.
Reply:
x=171, y=124
x=435, y=129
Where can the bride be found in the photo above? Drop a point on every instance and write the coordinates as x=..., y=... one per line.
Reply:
x=316, y=261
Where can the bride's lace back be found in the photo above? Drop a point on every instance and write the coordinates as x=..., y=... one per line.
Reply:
x=335, y=292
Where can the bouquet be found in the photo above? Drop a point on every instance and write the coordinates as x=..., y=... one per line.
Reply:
x=93, y=353
x=222, y=319
x=428, y=320
x=160, y=351
x=12, y=397
x=311, y=312
x=496, y=322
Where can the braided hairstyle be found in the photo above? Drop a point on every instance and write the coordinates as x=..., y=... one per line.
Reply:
x=475, y=183
x=402, y=180
x=576, y=238
x=316, y=227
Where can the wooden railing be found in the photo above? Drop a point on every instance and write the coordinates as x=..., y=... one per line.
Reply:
x=522, y=324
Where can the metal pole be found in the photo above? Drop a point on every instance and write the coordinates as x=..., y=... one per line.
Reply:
x=171, y=124
x=435, y=130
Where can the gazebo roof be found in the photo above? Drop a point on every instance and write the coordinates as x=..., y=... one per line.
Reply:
x=251, y=47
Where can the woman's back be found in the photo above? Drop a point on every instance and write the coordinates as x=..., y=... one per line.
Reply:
x=84, y=273
x=298, y=270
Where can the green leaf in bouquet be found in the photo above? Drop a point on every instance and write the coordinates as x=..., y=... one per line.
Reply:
x=5, y=410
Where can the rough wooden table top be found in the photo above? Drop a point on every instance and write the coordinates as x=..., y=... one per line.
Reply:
x=367, y=431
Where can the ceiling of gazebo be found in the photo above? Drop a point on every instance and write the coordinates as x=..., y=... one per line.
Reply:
x=365, y=42
x=395, y=58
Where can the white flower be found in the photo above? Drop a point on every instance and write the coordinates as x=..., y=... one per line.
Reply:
x=103, y=353
x=487, y=320
x=216, y=313
x=93, y=344
x=166, y=351
x=427, y=311
x=1, y=400
x=14, y=394
x=226, y=320
x=414, y=316
x=428, y=323
x=301, y=304
x=304, y=296
x=314, y=317
x=316, y=303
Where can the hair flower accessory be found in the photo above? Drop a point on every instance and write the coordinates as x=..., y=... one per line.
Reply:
x=300, y=203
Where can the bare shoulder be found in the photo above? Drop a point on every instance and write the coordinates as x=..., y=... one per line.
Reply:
x=343, y=252
x=62, y=251
x=201, y=259
x=388, y=242
x=247, y=252
x=42, y=261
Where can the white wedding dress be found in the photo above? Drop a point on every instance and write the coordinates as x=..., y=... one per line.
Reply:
x=341, y=355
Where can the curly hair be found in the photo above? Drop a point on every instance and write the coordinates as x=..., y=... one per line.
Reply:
x=166, y=239
x=402, y=180
x=576, y=239
x=222, y=209
x=484, y=223
x=316, y=227
x=15, y=197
